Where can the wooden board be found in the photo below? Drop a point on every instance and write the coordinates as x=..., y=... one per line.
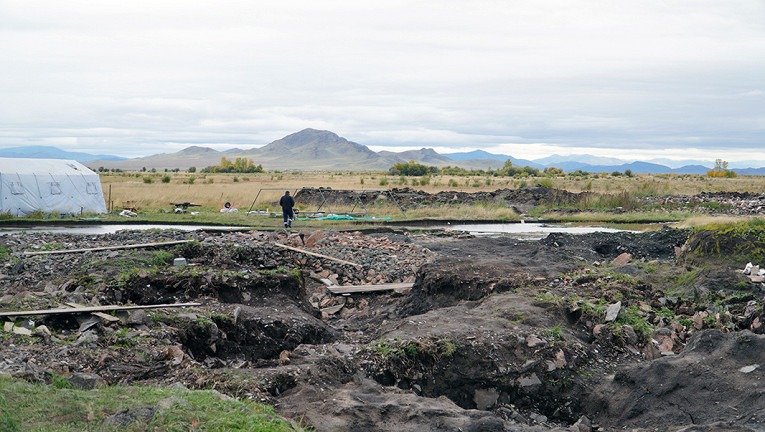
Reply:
x=368, y=288
x=107, y=317
x=89, y=309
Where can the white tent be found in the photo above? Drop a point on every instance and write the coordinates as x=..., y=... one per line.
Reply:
x=49, y=185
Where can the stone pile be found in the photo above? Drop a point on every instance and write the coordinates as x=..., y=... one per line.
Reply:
x=730, y=203
x=408, y=198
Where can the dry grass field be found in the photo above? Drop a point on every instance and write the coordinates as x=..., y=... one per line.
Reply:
x=155, y=191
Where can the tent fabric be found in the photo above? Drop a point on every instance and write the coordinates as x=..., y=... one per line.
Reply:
x=50, y=186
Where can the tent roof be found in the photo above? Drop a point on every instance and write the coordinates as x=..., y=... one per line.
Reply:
x=42, y=166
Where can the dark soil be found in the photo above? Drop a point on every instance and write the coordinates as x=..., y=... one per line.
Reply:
x=590, y=332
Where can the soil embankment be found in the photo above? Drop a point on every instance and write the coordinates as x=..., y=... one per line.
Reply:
x=590, y=332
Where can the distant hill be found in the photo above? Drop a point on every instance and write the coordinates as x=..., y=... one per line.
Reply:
x=47, y=152
x=559, y=161
x=480, y=157
x=320, y=150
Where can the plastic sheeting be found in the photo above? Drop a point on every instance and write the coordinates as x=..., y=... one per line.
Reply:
x=50, y=186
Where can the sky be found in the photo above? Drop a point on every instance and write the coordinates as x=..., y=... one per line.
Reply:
x=678, y=80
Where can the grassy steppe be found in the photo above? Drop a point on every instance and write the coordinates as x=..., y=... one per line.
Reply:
x=152, y=194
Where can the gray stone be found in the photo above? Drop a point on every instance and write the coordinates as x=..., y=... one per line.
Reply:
x=137, y=317
x=613, y=311
x=529, y=381
x=85, y=381
x=629, y=334
x=485, y=398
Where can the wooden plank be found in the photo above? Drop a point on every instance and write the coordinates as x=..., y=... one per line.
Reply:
x=316, y=254
x=89, y=309
x=132, y=246
x=331, y=310
x=368, y=288
x=107, y=317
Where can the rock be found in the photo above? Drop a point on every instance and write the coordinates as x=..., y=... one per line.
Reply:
x=485, y=398
x=130, y=416
x=87, y=338
x=613, y=311
x=749, y=369
x=42, y=330
x=21, y=331
x=85, y=381
x=629, y=334
x=137, y=317
x=622, y=259
x=174, y=353
x=598, y=329
x=529, y=381
x=533, y=341
x=582, y=425
x=8, y=326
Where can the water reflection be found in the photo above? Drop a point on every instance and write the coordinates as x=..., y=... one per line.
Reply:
x=530, y=231
x=110, y=229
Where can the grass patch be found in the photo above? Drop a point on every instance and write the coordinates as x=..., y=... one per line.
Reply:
x=35, y=407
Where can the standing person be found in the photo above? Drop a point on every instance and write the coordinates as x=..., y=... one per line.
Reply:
x=287, y=202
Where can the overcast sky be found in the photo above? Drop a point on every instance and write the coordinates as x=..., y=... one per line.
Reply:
x=680, y=79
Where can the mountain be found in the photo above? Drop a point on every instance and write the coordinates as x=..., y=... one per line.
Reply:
x=312, y=149
x=476, y=154
x=47, y=152
x=425, y=156
x=481, y=158
x=557, y=160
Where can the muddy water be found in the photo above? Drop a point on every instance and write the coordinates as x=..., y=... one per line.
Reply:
x=110, y=228
x=529, y=231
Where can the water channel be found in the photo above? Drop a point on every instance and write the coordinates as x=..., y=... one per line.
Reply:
x=527, y=231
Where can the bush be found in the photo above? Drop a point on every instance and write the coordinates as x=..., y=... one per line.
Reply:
x=148, y=180
x=166, y=179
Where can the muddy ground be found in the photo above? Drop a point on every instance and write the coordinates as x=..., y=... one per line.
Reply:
x=645, y=332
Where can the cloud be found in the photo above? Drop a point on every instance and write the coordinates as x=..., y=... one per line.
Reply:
x=143, y=77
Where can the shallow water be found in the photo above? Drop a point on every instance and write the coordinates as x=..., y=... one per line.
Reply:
x=530, y=231
x=109, y=228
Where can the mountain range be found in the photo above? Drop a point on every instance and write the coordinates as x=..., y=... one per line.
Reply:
x=318, y=150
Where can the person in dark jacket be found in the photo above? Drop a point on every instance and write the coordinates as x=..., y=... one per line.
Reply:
x=287, y=203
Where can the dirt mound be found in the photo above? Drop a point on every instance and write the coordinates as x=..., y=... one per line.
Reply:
x=522, y=198
x=716, y=380
x=364, y=405
x=659, y=244
x=496, y=333
x=734, y=244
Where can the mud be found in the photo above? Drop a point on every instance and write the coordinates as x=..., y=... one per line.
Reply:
x=588, y=332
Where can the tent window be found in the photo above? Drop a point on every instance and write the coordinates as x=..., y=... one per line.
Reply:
x=17, y=188
x=55, y=188
x=91, y=188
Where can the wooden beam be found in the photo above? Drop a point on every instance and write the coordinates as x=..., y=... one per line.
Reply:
x=89, y=309
x=107, y=317
x=132, y=246
x=317, y=254
x=368, y=288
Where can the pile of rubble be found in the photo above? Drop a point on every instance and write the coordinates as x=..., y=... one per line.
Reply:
x=407, y=198
x=730, y=203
